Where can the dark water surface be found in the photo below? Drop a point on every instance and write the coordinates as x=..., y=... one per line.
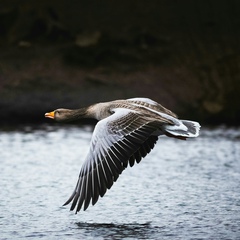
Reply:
x=182, y=190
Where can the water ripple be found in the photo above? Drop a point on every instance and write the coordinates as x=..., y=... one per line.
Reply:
x=182, y=190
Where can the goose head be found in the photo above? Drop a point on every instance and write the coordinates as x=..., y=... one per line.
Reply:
x=63, y=115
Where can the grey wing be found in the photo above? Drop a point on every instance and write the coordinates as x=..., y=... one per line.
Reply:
x=124, y=137
x=146, y=102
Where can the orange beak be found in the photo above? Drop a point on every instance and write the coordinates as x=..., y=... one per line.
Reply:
x=50, y=115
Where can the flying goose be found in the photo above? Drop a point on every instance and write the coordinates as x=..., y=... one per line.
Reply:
x=126, y=132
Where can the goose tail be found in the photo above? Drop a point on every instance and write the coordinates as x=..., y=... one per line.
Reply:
x=185, y=129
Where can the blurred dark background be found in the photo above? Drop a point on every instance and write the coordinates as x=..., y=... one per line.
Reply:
x=66, y=53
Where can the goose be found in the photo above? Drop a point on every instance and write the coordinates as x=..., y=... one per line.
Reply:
x=126, y=131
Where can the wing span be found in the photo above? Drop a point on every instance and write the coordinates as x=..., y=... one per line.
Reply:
x=123, y=138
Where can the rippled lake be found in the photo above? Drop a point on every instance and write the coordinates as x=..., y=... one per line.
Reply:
x=181, y=190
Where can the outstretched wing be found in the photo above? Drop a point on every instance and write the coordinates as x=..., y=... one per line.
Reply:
x=122, y=138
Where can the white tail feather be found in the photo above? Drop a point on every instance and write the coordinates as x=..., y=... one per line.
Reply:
x=185, y=129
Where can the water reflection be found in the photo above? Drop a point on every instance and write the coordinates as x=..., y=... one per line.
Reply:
x=119, y=231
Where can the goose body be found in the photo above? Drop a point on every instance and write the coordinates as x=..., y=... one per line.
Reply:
x=127, y=131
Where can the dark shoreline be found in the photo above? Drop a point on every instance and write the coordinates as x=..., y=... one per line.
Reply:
x=185, y=56
x=25, y=100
